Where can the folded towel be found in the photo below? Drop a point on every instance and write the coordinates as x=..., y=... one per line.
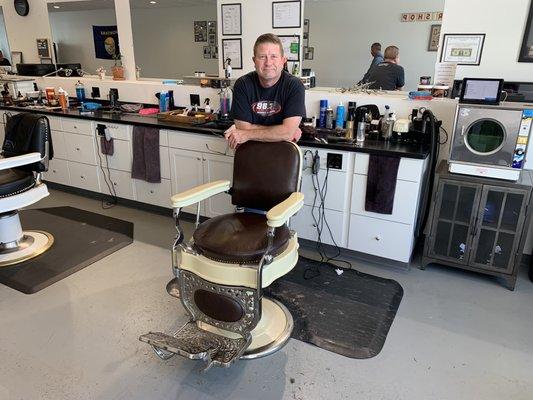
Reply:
x=381, y=183
x=146, y=164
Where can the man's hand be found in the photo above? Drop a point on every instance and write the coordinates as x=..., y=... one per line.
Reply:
x=235, y=136
x=297, y=135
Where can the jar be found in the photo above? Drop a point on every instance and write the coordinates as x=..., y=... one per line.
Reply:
x=440, y=91
x=425, y=80
x=425, y=88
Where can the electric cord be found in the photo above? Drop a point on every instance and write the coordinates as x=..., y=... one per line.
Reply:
x=447, y=136
x=107, y=179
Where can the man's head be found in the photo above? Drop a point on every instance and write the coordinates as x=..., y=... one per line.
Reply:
x=268, y=59
x=375, y=49
x=392, y=54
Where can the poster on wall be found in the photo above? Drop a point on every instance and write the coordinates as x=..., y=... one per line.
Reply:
x=105, y=41
x=200, y=31
x=43, y=48
x=462, y=48
x=434, y=35
x=526, y=51
x=291, y=46
x=232, y=49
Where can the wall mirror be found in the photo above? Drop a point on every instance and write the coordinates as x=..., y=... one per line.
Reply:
x=340, y=33
x=4, y=44
x=174, y=38
x=84, y=32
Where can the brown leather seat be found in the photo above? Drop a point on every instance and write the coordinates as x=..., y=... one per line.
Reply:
x=239, y=238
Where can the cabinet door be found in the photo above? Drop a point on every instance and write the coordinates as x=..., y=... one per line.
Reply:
x=454, y=214
x=217, y=167
x=498, y=229
x=186, y=172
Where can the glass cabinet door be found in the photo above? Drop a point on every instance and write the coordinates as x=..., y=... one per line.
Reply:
x=497, y=231
x=452, y=220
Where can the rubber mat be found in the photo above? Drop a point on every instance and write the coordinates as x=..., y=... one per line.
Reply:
x=349, y=314
x=80, y=238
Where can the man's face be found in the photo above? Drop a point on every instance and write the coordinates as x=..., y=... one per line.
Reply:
x=374, y=51
x=269, y=62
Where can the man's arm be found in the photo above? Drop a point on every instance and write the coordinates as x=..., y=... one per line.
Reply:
x=243, y=131
x=400, y=80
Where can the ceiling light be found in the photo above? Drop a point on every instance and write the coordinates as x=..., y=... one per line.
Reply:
x=57, y=7
x=153, y=2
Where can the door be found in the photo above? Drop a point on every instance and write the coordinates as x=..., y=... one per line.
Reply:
x=453, y=219
x=218, y=167
x=186, y=172
x=498, y=229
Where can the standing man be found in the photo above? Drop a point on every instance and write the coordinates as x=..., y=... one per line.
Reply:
x=388, y=75
x=377, y=58
x=268, y=103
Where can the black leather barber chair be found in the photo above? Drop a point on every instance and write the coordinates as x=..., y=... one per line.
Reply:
x=26, y=150
x=222, y=270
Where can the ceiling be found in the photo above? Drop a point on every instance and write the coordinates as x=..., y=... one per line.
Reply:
x=83, y=5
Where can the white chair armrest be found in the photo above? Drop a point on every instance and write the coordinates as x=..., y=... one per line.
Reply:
x=199, y=193
x=17, y=161
x=280, y=213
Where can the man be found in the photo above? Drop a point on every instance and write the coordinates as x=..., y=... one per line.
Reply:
x=377, y=58
x=388, y=75
x=4, y=61
x=268, y=103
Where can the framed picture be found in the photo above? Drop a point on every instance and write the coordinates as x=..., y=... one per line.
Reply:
x=291, y=46
x=207, y=52
x=309, y=53
x=434, y=35
x=200, y=31
x=43, y=48
x=211, y=27
x=232, y=49
x=287, y=14
x=526, y=51
x=231, y=19
x=16, y=58
x=212, y=39
x=214, y=52
x=462, y=48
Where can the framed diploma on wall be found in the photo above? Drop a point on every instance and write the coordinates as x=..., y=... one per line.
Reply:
x=232, y=49
x=231, y=19
x=462, y=48
x=286, y=14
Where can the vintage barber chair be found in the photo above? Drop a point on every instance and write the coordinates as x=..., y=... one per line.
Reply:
x=26, y=151
x=222, y=271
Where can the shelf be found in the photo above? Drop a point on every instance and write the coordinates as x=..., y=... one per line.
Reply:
x=209, y=78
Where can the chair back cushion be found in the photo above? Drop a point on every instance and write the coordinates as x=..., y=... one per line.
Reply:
x=28, y=133
x=265, y=174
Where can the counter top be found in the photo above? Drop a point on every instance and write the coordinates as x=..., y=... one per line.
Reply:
x=368, y=146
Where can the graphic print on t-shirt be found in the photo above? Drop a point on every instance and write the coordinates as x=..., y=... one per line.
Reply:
x=266, y=108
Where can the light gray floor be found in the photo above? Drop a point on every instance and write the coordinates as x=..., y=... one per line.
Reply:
x=457, y=335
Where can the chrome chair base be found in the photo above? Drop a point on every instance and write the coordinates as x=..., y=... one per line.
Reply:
x=31, y=245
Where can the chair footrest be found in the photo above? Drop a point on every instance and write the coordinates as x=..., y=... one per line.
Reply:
x=197, y=344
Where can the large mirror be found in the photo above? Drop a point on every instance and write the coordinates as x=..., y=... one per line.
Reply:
x=341, y=32
x=6, y=58
x=84, y=32
x=174, y=38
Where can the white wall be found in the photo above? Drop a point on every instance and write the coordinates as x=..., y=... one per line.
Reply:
x=503, y=22
x=163, y=40
x=73, y=34
x=256, y=20
x=342, y=31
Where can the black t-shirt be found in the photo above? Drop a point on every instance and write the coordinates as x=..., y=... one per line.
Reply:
x=5, y=62
x=267, y=106
x=387, y=76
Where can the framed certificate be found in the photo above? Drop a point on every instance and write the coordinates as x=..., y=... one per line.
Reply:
x=291, y=46
x=462, y=48
x=287, y=14
x=232, y=49
x=526, y=51
x=231, y=19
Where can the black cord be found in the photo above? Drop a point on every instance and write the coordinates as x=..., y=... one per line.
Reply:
x=109, y=204
x=447, y=136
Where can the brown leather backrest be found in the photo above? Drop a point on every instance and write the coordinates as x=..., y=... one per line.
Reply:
x=265, y=174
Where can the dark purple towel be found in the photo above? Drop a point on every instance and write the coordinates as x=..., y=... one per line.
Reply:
x=146, y=164
x=381, y=183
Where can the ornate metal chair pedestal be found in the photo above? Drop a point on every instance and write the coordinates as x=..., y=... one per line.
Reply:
x=222, y=270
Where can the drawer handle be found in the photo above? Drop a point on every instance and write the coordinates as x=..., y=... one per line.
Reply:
x=378, y=238
x=54, y=171
x=82, y=177
x=151, y=191
x=114, y=184
x=75, y=127
x=198, y=158
x=77, y=149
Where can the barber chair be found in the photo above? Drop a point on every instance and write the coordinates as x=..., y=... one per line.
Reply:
x=222, y=270
x=26, y=150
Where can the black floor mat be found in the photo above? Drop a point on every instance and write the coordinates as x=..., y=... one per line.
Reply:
x=81, y=238
x=349, y=314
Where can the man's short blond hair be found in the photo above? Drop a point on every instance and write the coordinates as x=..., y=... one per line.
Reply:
x=268, y=38
x=391, y=53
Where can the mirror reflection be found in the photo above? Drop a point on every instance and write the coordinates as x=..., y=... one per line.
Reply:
x=174, y=38
x=341, y=33
x=85, y=32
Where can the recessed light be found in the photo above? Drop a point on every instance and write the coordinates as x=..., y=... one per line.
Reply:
x=153, y=2
x=57, y=7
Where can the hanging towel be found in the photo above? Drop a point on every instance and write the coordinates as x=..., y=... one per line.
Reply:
x=146, y=164
x=381, y=183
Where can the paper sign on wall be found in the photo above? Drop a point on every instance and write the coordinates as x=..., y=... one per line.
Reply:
x=421, y=16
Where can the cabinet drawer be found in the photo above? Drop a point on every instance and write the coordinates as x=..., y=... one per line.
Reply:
x=84, y=176
x=337, y=188
x=197, y=142
x=380, y=238
x=410, y=169
x=81, y=148
x=405, y=201
x=165, y=162
x=117, y=131
x=153, y=193
x=304, y=224
x=121, y=158
x=55, y=123
x=58, y=143
x=58, y=172
x=309, y=153
x=77, y=126
x=119, y=182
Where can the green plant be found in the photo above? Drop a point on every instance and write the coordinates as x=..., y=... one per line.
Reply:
x=118, y=59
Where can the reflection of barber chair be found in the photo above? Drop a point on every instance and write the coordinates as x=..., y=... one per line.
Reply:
x=222, y=270
x=26, y=150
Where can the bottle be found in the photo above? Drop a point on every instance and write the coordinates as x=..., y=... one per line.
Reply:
x=62, y=99
x=339, y=122
x=361, y=128
x=350, y=120
x=329, y=118
x=80, y=91
x=322, y=116
x=207, y=107
x=170, y=96
x=163, y=101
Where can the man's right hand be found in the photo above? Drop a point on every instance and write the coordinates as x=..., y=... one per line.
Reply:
x=235, y=136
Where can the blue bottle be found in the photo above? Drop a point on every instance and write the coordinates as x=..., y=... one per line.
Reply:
x=163, y=101
x=80, y=92
x=339, y=122
x=322, y=116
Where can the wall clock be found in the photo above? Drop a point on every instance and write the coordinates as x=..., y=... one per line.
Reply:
x=22, y=7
